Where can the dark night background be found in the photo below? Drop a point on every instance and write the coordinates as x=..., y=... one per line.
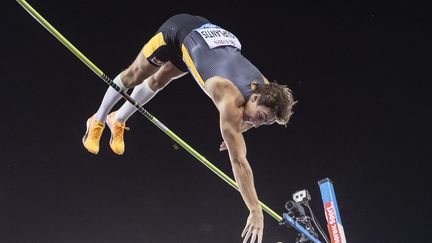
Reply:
x=358, y=69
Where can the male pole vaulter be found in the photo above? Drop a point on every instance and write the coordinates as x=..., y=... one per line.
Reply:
x=242, y=95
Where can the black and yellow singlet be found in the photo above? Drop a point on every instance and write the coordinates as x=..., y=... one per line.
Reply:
x=193, y=44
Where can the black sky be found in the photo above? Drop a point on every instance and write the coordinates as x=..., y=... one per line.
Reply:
x=359, y=70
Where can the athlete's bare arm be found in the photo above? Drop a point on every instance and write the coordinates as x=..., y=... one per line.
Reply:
x=226, y=99
x=244, y=126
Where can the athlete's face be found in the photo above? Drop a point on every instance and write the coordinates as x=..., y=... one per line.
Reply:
x=257, y=115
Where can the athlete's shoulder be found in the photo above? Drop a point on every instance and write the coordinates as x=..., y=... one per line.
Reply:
x=222, y=89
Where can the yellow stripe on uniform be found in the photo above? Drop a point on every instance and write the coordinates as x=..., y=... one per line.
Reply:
x=154, y=43
x=188, y=60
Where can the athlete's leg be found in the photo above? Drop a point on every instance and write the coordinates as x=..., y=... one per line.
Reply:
x=141, y=94
x=132, y=76
x=159, y=50
x=145, y=91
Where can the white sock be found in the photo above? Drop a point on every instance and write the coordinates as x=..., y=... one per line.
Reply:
x=110, y=98
x=141, y=94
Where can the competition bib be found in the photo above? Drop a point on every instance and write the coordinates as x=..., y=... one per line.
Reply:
x=216, y=36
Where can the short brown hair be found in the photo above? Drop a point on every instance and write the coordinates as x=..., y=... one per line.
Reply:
x=278, y=98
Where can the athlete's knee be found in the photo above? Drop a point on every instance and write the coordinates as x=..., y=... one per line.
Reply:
x=164, y=76
x=156, y=83
x=136, y=73
x=132, y=76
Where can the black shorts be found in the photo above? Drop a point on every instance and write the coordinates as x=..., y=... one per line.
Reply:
x=166, y=44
